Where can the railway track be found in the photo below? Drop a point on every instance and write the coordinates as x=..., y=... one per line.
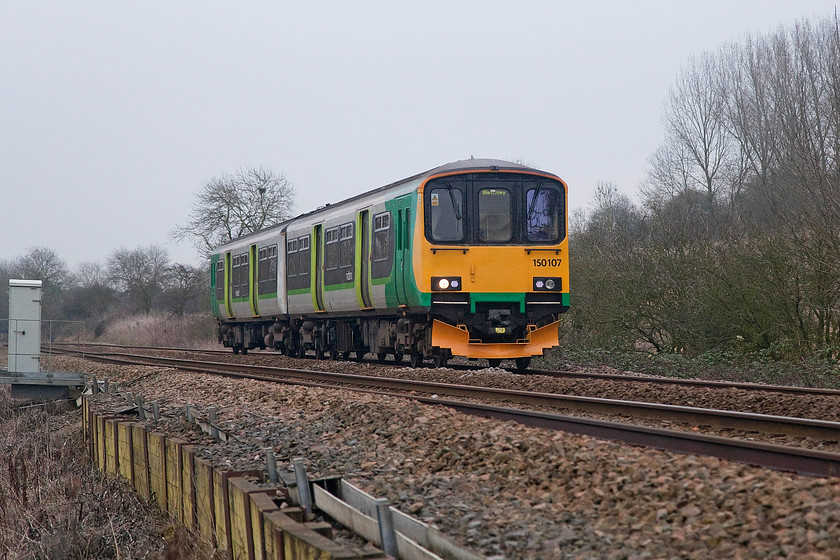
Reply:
x=634, y=379
x=804, y=461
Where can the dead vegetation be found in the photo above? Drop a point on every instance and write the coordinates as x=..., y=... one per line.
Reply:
x=160, y=329
x=55, y=505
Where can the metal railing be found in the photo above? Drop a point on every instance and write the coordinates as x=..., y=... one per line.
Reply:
x=47, y=330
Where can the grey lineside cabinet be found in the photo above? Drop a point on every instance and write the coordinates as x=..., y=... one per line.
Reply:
x=24, y=326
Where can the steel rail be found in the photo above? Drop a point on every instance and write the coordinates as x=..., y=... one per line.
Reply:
x=556, y=374
x=791, y=426
x=802, y=461
x=688, y=382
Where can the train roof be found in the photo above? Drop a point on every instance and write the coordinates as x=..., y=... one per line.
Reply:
x=464, y=165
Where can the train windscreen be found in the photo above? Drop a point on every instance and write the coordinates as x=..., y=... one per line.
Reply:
x=497, y=208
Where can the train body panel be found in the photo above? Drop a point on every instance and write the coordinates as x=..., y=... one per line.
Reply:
x=245, y=278
x=470, y=258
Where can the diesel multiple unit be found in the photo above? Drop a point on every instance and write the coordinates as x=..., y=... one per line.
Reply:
x=467, y=259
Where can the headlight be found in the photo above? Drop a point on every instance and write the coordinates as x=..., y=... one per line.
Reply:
x=446, y=283
x=548, y=284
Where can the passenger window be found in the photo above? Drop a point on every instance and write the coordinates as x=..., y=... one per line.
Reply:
x=267, y=270
x=346, y=246
x=303, y=257
x=331, y=249
x=446, y=213
x=292, y=258
x=241, y=288
x=494, y=211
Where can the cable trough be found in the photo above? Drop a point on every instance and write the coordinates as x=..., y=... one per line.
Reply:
x=803, y=461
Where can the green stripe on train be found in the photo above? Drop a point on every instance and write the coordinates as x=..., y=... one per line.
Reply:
x=336, y=287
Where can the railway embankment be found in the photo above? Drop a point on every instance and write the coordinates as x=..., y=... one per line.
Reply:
x=504, y=490
x=54, y=504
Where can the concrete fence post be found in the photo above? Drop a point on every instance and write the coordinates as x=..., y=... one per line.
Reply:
x=302, y=483
x=272, y=466
x=386, y=527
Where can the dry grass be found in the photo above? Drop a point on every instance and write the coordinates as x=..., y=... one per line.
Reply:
x=55, y=505
x=189, y=331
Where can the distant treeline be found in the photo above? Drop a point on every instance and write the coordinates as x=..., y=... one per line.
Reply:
x=736, y=242
x=131, y=281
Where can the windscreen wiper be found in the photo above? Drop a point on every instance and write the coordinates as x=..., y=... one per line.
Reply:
x=455, y=207
x=534, y=202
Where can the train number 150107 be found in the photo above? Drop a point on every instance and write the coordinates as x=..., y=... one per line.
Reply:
x=546, y=262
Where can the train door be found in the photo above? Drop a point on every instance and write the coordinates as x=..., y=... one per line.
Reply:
x=318, y=273
x=364, y=260
x=220, y=285
x=228, y=283
x=403, y=247
x=252, y=278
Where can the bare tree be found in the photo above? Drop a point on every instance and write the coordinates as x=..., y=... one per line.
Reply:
x=6, y=272
x=139, y=273
x=91, y=295
x=697, y=146
x=185, y=284
x=230, y=206
x=42, y=263
x=91, y=273
x=668, y=174
x=613, y=220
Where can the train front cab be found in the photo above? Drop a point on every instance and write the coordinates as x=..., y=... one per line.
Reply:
x=492, y=263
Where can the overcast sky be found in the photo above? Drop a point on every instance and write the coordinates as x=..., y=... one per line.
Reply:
x=114, y=113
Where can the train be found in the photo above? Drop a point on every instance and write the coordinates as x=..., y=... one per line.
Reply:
x=468, y=259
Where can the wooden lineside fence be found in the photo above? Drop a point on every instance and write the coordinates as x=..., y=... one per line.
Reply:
x=236, y=511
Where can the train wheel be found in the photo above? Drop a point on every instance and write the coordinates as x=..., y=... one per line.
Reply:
x=381, y=356
x=415, y=359
x=333, y=354
x=235, y=349
x=495, y=362
x=244, y=350
x=345, y=355
x=523, y=363
x=398, y=357
x=441, y=358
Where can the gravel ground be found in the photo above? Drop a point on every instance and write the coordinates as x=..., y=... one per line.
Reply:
x=820, y=407
x=504, y=490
